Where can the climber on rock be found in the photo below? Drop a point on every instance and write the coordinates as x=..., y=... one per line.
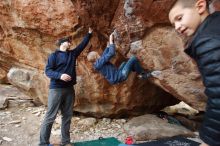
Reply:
x=113, y=74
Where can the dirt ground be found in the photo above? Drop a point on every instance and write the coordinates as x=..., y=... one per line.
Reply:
x=20, y=124
x=20, y=127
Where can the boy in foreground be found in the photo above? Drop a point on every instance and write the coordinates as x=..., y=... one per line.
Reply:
x=191, y=18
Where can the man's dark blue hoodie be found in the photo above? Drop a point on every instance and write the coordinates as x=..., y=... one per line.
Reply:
x=61, y=62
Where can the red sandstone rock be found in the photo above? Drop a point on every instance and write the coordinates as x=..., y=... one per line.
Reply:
x=30, y=28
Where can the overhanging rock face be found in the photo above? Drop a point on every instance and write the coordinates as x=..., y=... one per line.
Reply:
x=29, y=30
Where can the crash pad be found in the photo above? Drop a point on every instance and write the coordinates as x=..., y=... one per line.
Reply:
x=110, y=141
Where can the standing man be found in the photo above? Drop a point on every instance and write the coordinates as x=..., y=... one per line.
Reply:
x=61, y=69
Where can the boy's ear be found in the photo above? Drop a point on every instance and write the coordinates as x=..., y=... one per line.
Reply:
x=201, y=6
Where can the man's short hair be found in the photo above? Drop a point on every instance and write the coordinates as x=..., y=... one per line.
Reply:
x=62, y=40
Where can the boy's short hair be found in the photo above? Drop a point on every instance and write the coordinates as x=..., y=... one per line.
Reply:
x=185, y=3
x=62, y=40
x=91, y=56
x=189, y=3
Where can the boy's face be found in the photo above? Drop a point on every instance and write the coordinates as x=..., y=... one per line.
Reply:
x=185, y=20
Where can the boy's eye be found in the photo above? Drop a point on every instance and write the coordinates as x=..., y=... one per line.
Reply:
x=179, y=17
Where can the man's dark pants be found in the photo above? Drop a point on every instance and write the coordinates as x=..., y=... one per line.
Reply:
x=61, y=98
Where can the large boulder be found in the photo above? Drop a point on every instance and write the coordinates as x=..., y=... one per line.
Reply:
x=31, y=82
x=149, y=127
x=30, y=28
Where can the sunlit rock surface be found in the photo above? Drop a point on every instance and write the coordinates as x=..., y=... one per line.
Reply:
x=30, y=28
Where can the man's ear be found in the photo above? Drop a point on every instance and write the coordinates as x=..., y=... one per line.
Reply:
x=201, y=6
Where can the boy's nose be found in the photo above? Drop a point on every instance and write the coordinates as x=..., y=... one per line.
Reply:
x=178, y=27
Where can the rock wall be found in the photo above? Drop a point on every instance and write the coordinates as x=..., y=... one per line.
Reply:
x=30, y=28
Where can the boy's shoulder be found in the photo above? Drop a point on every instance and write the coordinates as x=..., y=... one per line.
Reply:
x=214, y=17
x=208, y=28
x=211, y=24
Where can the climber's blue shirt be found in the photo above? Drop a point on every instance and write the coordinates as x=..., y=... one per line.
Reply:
x=106, y=68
